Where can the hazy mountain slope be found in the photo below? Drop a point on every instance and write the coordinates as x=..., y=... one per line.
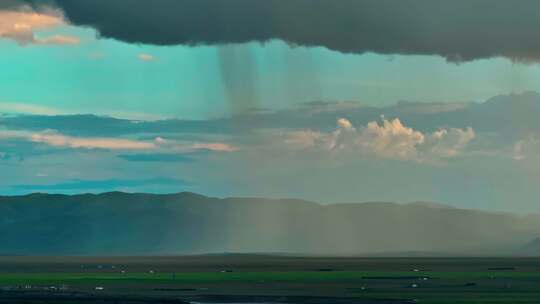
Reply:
x=531, y=248
x=119, y=223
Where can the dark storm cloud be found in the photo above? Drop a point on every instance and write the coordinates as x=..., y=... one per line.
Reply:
x=12, y=4
x=458, y=30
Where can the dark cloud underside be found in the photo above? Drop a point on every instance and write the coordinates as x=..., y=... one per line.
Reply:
x=457, y=30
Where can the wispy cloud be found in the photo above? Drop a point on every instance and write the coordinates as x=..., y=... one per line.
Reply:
x=146, y=57
x=58, y=39
x=21, y=26
x=55, y=139
x=195, y=146
x=215, y=147
x=157, y=158
x=101, y=185
x=26, y=108
x=91, y=143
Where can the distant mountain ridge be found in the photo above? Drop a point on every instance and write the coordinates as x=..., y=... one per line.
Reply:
x=532, y=248
x=119, y=223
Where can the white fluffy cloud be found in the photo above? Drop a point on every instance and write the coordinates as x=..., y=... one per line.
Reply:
x=21, y=26
x=449, y=142
x=390, y=139
x=526, y=149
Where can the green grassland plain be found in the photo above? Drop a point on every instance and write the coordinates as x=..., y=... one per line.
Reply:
x=273, y=279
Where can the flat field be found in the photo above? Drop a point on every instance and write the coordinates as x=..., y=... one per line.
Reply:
x=268, y=279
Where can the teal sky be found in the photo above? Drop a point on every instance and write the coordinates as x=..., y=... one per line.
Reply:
x=354, y=145
x=105, y=76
